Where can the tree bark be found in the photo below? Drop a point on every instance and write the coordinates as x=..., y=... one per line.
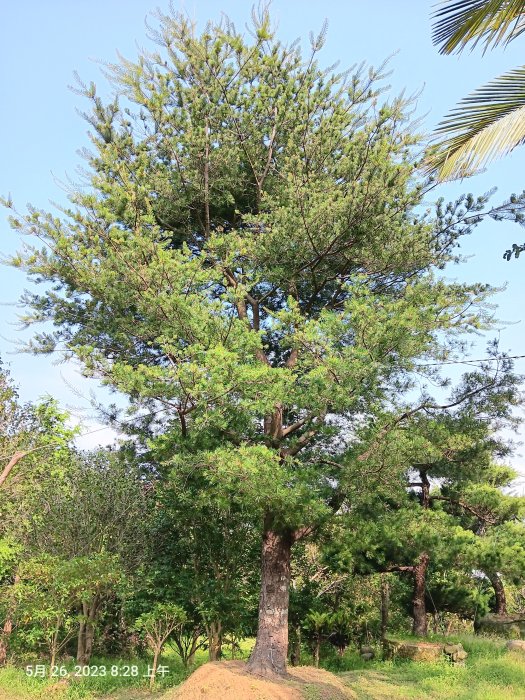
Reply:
x=193, y=650
x=385, y=605
x=5, y=634
x=425, y=488
x=54, y=644
x=435, y=621
x=10, y=465
x=499, y=592
x=156, y=654
x=419, y=612
x=317, y=650
x=215, y=641
x=81, y=644
x=268, y=658
x=4, y=640
x=86, y=632
x=295, y=657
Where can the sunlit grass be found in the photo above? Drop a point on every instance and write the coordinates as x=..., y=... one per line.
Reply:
x=16, y=683
x=491, y=673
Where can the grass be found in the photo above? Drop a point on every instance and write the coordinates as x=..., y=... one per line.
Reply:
x=15, y=684
x=491, y=673
x=129, y=675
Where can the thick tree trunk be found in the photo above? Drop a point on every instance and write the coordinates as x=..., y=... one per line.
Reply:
x=499, y=592
x=385, y=605
x=271, y=647
x=419, y=612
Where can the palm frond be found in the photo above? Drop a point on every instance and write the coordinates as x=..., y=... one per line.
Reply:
x=485, y=125
x=492, y=22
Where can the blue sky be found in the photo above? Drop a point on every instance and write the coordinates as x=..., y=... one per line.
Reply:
x=43, y=43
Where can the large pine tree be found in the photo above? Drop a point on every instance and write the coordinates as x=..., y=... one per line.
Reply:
x=250, y=260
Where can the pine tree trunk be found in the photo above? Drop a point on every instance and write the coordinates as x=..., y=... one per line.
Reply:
x=499, y=592
x=268, y=658
x=419, y=612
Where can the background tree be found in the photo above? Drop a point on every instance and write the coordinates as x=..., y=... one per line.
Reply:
x=99, y=514
x=249, y=263
x=45, y=590
x=482, y=502
x=408, y=529
x=198, y=563
x=35, y=443
x=33, y=440
x=157, y=625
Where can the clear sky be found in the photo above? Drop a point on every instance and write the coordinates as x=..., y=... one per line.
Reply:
x=43, y=43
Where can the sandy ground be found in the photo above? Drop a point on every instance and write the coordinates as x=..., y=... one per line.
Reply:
x=228, y=680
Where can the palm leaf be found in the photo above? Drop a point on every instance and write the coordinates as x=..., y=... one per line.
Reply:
x=491, y=21
x=485, y=125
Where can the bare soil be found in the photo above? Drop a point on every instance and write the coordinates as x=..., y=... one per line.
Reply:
x=228, y=680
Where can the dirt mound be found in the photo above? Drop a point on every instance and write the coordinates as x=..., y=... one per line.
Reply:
x=228, y=680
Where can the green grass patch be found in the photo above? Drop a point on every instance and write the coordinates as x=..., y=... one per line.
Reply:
x=121, y=677
x=490, y=673
x=102, y=677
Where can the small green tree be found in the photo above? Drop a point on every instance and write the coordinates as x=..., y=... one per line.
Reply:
x=32, y=435
x=157, y=625
x=412, y=527
x=35, y=447
x=46, y=589
x=97, y=514
x=9, y=555
x=318, y=625
x=197, y=558
x=483, y=504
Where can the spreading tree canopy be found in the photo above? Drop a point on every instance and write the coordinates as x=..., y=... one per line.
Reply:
x=249, y=260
